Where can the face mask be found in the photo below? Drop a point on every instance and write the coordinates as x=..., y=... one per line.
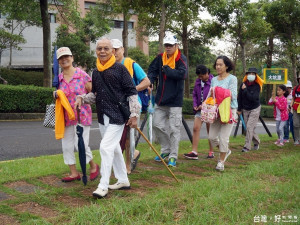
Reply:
x=251, y=77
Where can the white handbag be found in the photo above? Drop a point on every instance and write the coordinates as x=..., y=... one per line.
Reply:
x=49, y=120
x=209, y=113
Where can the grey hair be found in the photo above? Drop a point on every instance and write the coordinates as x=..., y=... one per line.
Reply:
x=102, y=39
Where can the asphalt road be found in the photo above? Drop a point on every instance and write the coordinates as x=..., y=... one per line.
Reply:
x=21, y=139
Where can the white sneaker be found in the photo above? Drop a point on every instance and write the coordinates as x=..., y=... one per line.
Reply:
x=100, y=193
x=227, y=154
x=220, y=166
x=119, y=186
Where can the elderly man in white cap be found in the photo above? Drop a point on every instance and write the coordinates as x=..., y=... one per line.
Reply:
x=170, y=69
x=141, y=82
x=289, y=126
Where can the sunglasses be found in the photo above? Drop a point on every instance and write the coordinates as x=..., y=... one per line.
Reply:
x=168, y=45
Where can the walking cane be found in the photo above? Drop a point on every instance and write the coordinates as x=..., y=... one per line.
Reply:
x=157, y=153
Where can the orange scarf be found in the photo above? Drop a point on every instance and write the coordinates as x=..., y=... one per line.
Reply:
x=62, y=103
x=107, y=65
x=171, y=60
x=128, y=63
x=257, y=80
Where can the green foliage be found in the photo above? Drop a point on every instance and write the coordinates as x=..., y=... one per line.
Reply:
x=7, y=39
x=19, y=77
x=199, y=54
x=24, y=99
x=187, y=107
x=266, y=111
x=137, y=55
x=77, y=43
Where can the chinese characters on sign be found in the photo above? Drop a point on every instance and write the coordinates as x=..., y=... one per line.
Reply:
x=275, y=219
x=275, y=75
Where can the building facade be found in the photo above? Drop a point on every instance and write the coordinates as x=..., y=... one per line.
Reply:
x=31, y=55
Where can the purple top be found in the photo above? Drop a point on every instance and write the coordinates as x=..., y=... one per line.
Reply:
x=199, y=89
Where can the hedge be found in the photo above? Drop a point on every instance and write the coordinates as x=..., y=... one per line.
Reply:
x=19, y=77
x=32, y=99
x=24, y=99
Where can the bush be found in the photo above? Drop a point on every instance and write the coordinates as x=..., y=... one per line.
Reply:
x=137, y=55
x=24, y=99
x=31, y=99
x=187, y=107
x=267, y=111
x=18, y=77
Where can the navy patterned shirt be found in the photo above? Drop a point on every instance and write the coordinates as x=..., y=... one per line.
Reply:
x=119, y=82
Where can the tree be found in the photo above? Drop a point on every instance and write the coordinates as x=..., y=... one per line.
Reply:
x=284, y=16
x=77, y=43
x=8, y=40
x=19, y=15
x=245, y=23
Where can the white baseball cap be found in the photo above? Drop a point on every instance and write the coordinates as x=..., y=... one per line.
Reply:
x=289, y=84
x=63, y=51
x=170, y=39
x=116, y=43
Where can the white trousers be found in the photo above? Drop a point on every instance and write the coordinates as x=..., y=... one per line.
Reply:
x=111, y=153
x=70, y=143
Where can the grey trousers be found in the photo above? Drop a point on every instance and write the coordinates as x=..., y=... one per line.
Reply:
x=167, y=122
x=296, y=121
x=251, y=117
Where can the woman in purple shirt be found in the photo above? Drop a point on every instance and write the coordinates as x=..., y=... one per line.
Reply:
x=201, y=89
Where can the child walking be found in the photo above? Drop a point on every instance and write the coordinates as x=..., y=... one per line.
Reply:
x=280, y=112
x=201, y=89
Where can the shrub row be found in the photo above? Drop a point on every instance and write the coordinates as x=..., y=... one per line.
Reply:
x=31, y=99
x=19, y=77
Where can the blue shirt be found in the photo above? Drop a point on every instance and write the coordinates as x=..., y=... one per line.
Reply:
x=230, y=83
x=139, y=73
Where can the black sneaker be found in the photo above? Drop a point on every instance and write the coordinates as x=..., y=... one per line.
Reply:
x=210, y=155
x=245, y=150
x=256, y=147
x=191, y=155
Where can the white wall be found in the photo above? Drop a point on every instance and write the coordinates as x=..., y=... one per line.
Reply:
x=31, y=54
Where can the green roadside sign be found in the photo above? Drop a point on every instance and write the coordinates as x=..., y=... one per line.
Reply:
x=275, y=75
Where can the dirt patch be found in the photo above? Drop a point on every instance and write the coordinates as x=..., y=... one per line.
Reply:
x=72, y=201
x=197, y=169
x=151, y=166
x=5, y=219
x=166, y=179
x=56, y=182
x=4, y=196
x=23, y=187
x=36, y=209
x=179, y=213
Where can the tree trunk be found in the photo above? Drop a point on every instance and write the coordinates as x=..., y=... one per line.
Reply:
x=162, y=27
x=243, y=56
x=46, y=43
x=269, y=64
x=186, y=53
x=125, y=34
x=235, y=57
x=10, y=45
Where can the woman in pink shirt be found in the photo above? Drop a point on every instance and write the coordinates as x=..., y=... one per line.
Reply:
x=280, y=112
x=74, y=81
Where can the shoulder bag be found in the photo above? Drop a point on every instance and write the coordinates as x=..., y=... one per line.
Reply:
x=209, y=112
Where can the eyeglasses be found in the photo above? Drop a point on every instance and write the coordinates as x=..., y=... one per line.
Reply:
x=168, y=45
x=103, y=48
